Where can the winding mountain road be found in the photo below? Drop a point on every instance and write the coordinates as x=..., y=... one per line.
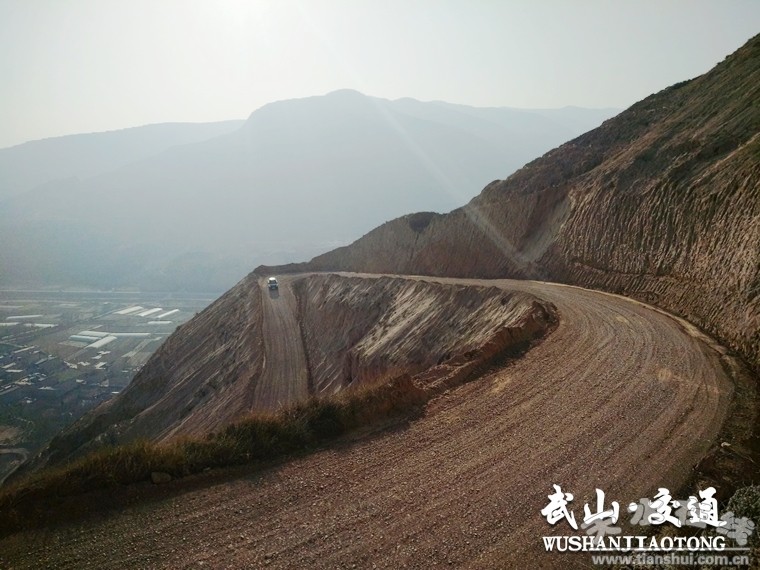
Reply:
x=620, y=396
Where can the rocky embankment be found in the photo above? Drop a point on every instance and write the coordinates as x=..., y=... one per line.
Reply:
x=214, y=369
x=661, y=203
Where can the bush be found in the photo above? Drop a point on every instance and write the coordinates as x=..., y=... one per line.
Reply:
x=745, y=502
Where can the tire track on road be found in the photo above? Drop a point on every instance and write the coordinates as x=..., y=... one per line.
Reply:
x=284, y=379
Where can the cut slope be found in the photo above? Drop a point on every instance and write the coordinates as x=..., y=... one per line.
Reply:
x=661, y=202
x=201, y=377
x=360, y=330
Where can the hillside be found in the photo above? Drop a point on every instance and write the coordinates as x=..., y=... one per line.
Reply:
x=661, y=203
x=299, y=177
x=257, y=350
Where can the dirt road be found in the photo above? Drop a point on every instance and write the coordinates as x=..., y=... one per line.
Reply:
x=620, y=397
x=285, y=376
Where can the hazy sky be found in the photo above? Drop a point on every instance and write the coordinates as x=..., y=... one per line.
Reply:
x=69, y=66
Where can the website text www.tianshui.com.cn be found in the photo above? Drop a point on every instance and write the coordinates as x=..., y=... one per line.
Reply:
x=721, y=560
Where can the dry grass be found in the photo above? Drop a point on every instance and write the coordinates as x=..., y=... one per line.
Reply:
x=257, y=437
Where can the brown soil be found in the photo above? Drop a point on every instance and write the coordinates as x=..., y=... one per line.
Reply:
x=620, y=397
x=363, y=330
x=284, y=379
x=202, y=377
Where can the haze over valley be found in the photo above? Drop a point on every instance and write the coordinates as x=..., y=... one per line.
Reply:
x=195, y=207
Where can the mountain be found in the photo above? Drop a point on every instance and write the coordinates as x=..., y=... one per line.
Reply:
x=661, y=203
x=26, y=166
x=297, y=178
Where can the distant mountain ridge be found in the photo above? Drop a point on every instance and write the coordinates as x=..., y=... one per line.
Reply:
x=661, y=203
x=25, y=166
x=297, y=178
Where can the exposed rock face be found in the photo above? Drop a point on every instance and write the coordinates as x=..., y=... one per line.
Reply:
x=661, y=203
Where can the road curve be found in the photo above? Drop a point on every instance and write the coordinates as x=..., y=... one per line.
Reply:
x=284, y=379
x=621, y=397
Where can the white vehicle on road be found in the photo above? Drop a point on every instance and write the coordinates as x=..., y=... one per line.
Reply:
x=272, y=283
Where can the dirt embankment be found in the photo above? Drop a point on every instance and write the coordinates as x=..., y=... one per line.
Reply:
x=256, y=349
x=359, y=330
x=201, y=378
x=661, y=203
x=323, y=333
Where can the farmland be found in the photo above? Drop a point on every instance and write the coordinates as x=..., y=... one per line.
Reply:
x=63, y=353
